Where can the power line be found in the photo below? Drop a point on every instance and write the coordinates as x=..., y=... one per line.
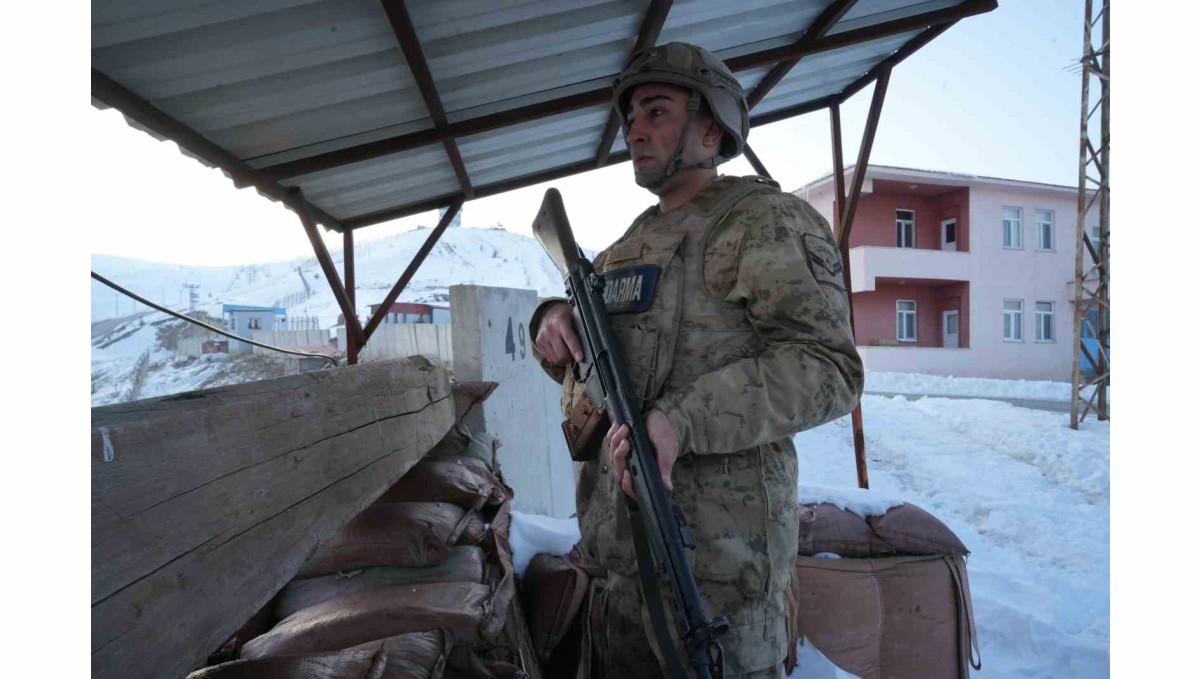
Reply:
x=202, y=324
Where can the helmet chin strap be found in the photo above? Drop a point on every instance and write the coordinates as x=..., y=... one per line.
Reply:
x=675, y=164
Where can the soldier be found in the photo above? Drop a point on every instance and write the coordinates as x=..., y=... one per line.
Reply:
x=728, y=301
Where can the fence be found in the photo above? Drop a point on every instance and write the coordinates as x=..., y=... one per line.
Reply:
x=401, y=340
x=289, y=339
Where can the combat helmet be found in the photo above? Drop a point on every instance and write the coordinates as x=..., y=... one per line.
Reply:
x=696, y=69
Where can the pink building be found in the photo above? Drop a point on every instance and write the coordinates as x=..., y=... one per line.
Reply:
x=954, y=274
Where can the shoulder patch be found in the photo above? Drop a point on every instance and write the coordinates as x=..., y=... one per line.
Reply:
x=824, y=261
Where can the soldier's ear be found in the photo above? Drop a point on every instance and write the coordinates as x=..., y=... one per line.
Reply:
x=712, y=134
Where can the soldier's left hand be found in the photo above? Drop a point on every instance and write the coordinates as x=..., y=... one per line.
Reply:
x=662, y=437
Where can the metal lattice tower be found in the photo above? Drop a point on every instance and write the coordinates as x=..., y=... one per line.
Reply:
x=1091, y=366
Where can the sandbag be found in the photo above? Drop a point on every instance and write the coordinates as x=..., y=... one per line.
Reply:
x=414, y=534
x=421, y=655
x=898, y=617
x=464, y=481
x=467, y=395
x=827, y=528
x=474, y=529
x=465, y=610
x=464, y=564
x=552, y=592
x=908, y=529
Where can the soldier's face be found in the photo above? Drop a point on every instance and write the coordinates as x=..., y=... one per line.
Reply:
x=656, y=117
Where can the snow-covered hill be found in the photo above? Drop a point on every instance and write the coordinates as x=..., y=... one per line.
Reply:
x=462, y=256
x=131, y=356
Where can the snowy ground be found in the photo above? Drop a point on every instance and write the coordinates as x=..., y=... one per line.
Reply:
x=1028, y=495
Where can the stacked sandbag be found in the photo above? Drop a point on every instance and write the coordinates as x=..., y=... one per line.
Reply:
x=884, y=596
x=419, y=584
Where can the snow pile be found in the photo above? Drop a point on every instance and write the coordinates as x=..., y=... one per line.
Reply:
x=939, y=385
x=530, y=534
x=862, y=502
x=1026, y=494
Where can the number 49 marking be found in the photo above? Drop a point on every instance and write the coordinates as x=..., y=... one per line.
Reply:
x=510, y=347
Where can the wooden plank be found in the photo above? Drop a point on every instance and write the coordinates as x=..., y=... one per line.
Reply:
x=205, y=504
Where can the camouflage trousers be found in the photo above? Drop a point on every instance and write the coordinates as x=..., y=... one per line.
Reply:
x=627, y=650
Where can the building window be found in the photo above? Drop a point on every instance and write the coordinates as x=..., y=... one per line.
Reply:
x=1012, y=227
x=1043, y=229
x=906, y=228
x=906, y=320
x=254, y=323
x=1045, y=321
x=1012, y=320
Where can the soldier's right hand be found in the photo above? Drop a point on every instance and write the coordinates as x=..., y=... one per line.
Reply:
x=556, y=338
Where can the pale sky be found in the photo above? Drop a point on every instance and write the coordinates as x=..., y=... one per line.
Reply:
x=992, y=96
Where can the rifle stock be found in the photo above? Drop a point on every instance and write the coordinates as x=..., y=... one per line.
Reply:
x=659, y=530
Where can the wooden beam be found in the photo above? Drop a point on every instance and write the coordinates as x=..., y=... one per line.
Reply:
x=411, y=271
x=162, y=126
x=353, y=327
x=206, y=503
x=406, y=34
x=652, y=23
x=602, y=95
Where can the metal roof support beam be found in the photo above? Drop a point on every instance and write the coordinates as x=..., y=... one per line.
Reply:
x=753, y=158
x=354, y=330
x=820, y=26
x=381, y=312
x=652, y=23
x=471, y=126
x=864, y=155
x=901, y=54
x=860, y=35
x=402, y=26
x=352, y=346
x=839, y=201
x=153, y=120
x=480, y=192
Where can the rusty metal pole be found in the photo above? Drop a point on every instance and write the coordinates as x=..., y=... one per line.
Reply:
x=348, y=274
x=839, y=201
x=415, y=264
x=353, y=328
x=758, y=165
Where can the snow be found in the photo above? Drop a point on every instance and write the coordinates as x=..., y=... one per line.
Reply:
x=530, y=534
x=492, y=257
x=939, y=385
x=862, y=502
x=1028, y=495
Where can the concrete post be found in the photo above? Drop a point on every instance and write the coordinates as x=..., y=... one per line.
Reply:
x=490, y=338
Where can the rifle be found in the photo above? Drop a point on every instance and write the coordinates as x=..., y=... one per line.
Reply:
x=660, y=533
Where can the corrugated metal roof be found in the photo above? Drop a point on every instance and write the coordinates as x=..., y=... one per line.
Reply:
x=319, y=95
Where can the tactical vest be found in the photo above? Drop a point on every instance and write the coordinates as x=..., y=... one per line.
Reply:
x=673, y=327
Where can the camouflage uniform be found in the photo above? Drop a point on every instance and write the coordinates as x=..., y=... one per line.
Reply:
x=744, y=341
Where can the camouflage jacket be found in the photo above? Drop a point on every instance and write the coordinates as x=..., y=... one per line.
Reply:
x=733, y=319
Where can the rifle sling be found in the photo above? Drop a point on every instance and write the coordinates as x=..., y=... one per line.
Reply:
x=653, y=596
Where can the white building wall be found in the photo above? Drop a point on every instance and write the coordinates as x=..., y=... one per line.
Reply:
x=1027, y=274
